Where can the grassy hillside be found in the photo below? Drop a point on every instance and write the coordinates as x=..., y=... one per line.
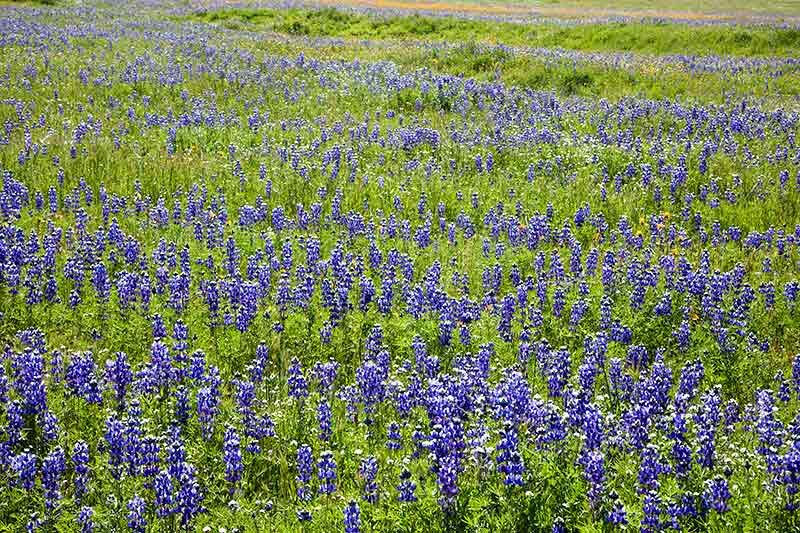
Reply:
x=640, y=37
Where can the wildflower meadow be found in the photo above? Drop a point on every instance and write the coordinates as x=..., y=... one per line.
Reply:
x=280, y=266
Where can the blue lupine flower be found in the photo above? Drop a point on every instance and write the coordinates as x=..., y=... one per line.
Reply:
x=232, y=451
x=370, y=378
x=207, y=401
x=707, y=422
x=558, y=371
x=509, y=460
x=326, y=472
x=164, y=494
x=116, y=444
x=447, y=471
x=80, y=465
x=136, y=512
x=118, y=373
x=651, y=521
x=85, y=519
x=650, y=469
x=305, y=465
x=352, y=518
x=324, y=418
x=54, y=466
x=394, y=439
x=368, y=470
x=190, y=496
x=595, y=474
x=617, y=516
x=768, y=429
x=406, y=488
x=24, y=466
x=298, y=387
x=716, y=495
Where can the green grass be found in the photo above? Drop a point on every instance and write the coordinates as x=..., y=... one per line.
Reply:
x=296, y=97
x=487, y=63
x=688, y=8
x=15, y=3
x=691, y=7
x=529, y=71
x=639, y=37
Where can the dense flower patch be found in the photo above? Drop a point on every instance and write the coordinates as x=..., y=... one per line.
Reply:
x=273, y=292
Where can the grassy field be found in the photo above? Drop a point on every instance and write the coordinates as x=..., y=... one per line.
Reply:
x=316, y=270
x=626, y=37
x=690, y=9
x=402, y=41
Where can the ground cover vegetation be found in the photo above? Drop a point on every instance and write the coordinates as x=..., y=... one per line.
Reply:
x=282, y=269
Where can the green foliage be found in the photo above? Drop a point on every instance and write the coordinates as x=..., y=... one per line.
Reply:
x=556, y=486
x=642, y=37
x=32, y=2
